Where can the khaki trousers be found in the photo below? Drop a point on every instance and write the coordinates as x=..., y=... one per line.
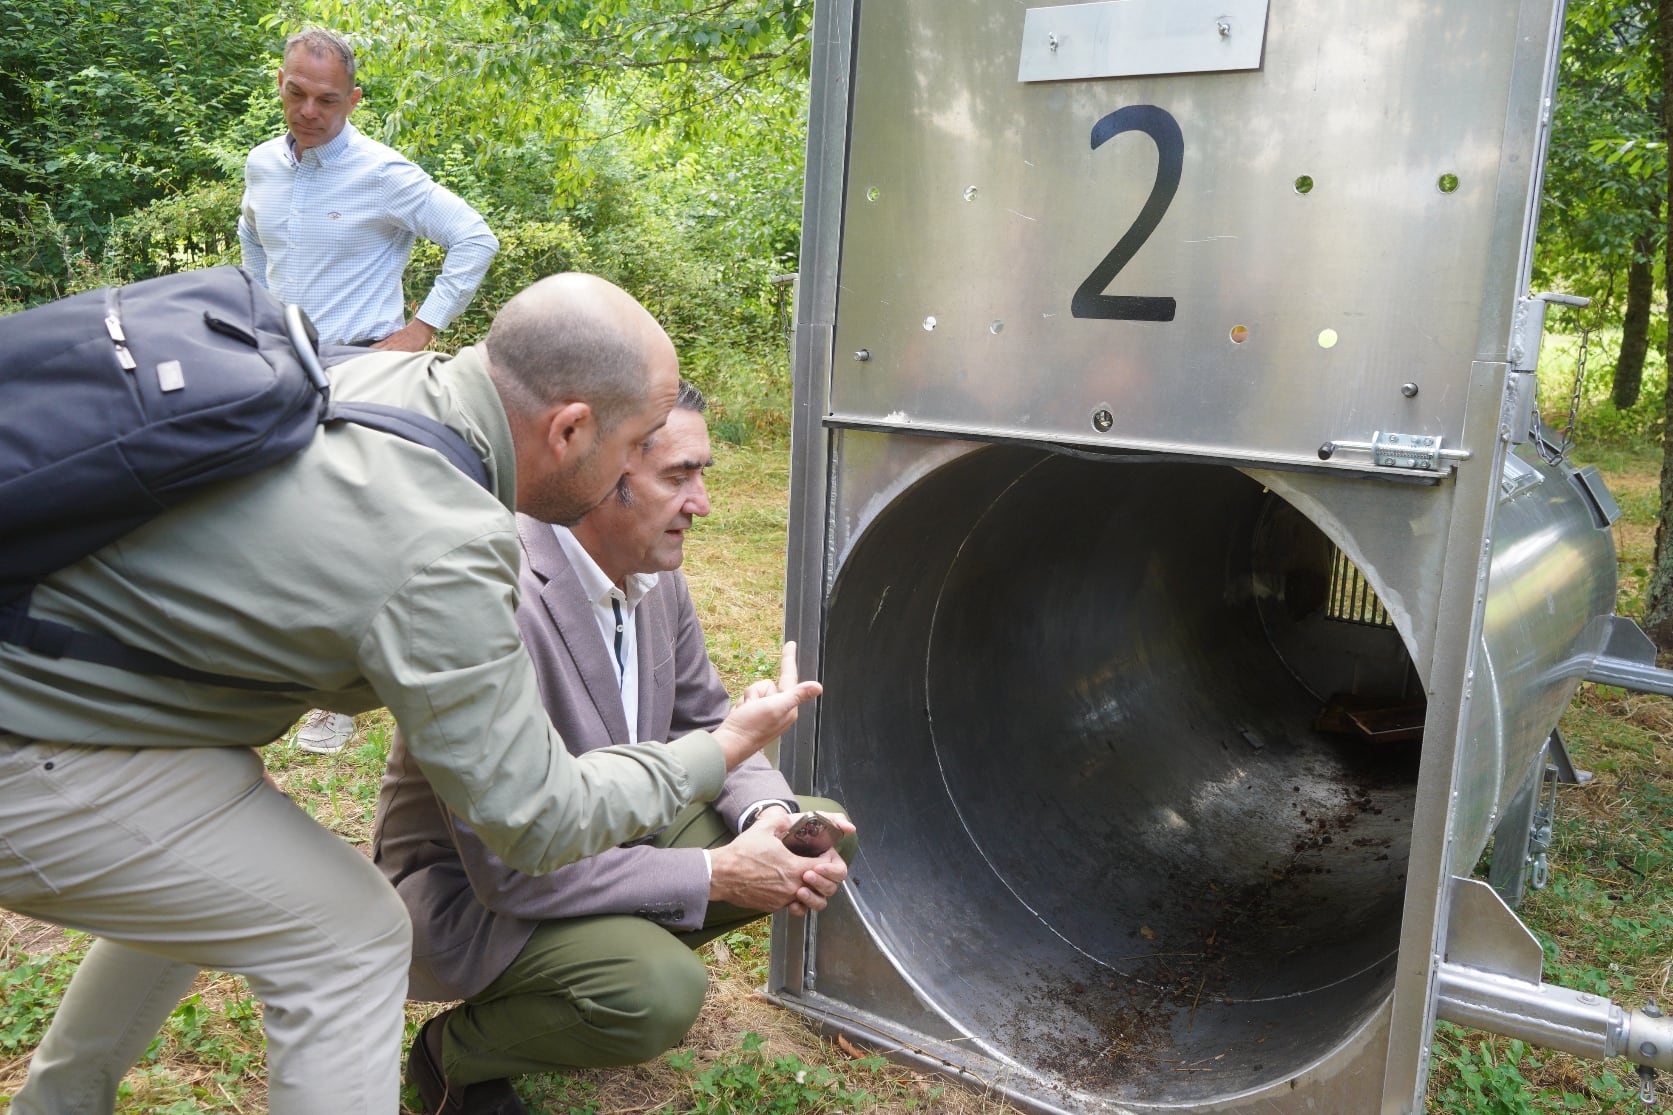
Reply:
x=182, y=859
x=598, y=991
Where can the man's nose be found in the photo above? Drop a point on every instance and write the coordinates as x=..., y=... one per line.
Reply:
x=697, y=502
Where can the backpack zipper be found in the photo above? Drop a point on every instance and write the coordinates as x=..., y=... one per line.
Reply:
x=113, y=326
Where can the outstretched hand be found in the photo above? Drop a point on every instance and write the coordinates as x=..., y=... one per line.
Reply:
x=765, y=711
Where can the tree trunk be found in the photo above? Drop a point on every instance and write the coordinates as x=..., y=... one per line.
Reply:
x=1635, y=325
x=1658, y=611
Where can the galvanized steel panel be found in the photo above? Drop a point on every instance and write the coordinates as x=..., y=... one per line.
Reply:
x=1240, y=264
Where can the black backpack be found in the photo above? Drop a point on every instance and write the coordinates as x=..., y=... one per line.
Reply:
x=119, y=403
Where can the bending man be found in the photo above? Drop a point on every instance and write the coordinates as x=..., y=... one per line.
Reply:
x=593, y=965
x=134, y=807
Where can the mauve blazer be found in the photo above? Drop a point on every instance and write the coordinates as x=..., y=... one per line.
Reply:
x=471, y=914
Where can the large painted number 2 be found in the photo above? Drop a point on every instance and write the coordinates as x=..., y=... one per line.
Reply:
x=1090, y=299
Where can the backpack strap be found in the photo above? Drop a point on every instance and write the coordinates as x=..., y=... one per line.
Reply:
x=420, y=429
x=57, y=640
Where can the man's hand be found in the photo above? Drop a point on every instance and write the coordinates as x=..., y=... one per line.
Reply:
x=414, y=336
x=765, y=712
x=757, y=872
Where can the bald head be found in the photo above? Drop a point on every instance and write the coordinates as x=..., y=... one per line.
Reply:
x=574, y=338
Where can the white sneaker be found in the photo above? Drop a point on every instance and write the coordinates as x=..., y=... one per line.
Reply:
x=325, y=732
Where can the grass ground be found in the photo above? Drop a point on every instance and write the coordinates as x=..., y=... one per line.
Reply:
x=1606, y=920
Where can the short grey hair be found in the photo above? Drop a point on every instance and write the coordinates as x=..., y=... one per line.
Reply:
x=320, y=43
x=690, y=398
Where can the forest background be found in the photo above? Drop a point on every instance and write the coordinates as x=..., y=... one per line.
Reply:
x=660, y=143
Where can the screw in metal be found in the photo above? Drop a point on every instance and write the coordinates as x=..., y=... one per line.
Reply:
x=862, y=355
x=1409, y=390
x=1102, y=420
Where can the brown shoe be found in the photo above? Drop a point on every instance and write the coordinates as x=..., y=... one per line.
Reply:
x=487, y=1097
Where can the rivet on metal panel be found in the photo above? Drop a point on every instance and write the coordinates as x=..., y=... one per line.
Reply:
x=996, y=327
x=1447, y=183
x=1051, y=41
x=1240, y=333
x=1304, y=184
x=970, y=193
x=929, y=323
x=862, y=355
x=873, y=193
x=1102, y=420
x=1409, y=390
x=1327, y=338
x=1225, y=29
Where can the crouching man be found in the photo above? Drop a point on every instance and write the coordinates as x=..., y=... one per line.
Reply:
x=593, y=965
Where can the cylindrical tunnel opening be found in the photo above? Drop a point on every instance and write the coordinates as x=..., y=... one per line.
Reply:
x=1133, y=751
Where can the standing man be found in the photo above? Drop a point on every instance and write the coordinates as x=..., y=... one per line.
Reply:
x=328, y=222
x=593, y=965
x=134, y=807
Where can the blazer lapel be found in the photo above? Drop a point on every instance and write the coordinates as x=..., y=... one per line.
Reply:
x=654, y=623
x=569, y=613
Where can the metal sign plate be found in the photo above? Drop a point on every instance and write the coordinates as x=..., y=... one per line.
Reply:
x=1246, y=264
x=1131, y=38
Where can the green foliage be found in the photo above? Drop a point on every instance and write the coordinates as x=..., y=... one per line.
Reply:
x=30, y=988
x=112, y=105
x=1482, y=1080
x=529, y=250
x=1600, y=426
x=1478, y=1077
x=745, y=1081
x=497, y=72
x=749, y=949
x=225, y=1035
x=1605, y=179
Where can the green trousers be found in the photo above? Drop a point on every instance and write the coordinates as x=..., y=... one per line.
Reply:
x=598, y=991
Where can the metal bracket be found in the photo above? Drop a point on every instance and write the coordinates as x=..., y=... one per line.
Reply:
x=1407, y=452
x=1527, y=327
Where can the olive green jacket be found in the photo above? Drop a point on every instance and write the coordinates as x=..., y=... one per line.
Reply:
x=368, y=571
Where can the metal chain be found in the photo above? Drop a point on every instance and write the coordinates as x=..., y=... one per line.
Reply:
x=1567, y=441
x=1556, y=454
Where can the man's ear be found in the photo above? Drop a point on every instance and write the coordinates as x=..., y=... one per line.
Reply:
x=569, y=429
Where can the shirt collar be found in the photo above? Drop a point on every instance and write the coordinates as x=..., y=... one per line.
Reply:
x=328, y=151
x=594, y=581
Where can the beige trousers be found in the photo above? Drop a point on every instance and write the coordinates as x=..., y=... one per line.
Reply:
x=182, y=859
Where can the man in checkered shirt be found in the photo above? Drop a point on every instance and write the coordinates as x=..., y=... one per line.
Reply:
x=329, y=216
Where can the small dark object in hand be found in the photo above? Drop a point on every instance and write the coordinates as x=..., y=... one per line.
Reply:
x=813, y=834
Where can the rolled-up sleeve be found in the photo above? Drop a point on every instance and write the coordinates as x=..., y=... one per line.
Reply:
x=444, y=655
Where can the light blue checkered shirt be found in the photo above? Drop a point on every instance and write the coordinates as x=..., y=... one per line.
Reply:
x=332, y=232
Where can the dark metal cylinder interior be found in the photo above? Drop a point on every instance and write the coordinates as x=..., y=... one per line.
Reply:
x=1134, y=785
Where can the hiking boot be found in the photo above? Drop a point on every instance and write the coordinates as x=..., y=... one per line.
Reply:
x=325, y=732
